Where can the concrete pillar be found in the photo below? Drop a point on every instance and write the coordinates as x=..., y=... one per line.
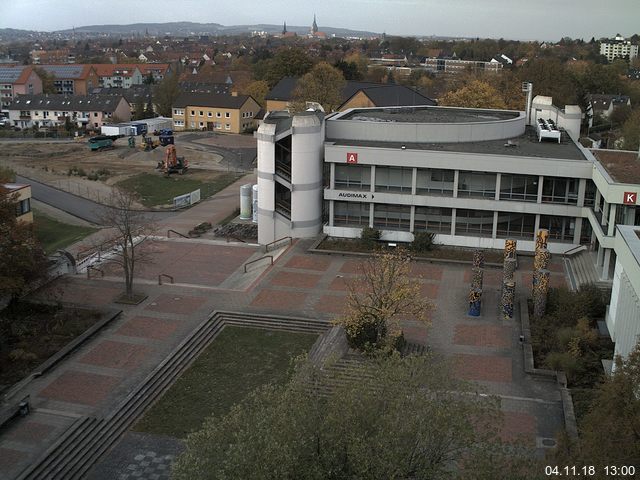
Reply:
x=373, y=178
x=453, y=221
x=612, y=220
x=331, y=211
x=332, y=176
x=536, y=225
x=371, y=207
x=604, y=273
x=577, y=230
x=497, y=197
x=494, y=231
x=414, y=181
x=540, y=182
x=599, y=256
x=582, y=188
x=605, y=214
x=412, y=215
x=456, y=177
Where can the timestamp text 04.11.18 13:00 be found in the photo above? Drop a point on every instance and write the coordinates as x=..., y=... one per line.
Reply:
x=590, y=470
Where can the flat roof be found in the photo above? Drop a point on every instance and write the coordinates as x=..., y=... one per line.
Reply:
x=623, y=166
x=631, y=236
x=14, y=186
x=428, y=115
x=526, y=145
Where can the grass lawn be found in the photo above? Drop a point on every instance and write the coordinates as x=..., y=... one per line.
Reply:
x=157, y=190
x=55, y=235
x=236, y=362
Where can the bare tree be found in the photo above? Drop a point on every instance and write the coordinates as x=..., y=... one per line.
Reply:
x=128, y=228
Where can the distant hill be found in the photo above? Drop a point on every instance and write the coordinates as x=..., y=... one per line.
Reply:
x=181, y=29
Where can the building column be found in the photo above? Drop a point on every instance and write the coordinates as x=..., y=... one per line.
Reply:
x=371, y=214
x=412, y=217
x=331, y=211
x=456, y=176
x=582, y=189
x=414, y=180
x=498, y=180
x=596, y=200
x=605, y=214
x=577, y=231
x=494, y=231
x=612, y=220
x=540, y=181
x=332, y=179
x=599, y=256
x=536, y=225
x=604, y=274
x=373, y=179
x=453, y=221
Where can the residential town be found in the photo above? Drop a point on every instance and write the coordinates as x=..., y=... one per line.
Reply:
x=281, y=251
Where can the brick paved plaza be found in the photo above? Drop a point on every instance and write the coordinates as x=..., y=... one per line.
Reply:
x=94, y=378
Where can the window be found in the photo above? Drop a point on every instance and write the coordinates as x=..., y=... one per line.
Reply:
x=392, y=217
x=193, y=124
x=23, y=206
x=193, y=113
x=201, y=113
x=477, y=184
x=227, y=115
x=432, y=219
x=209, y=114
x=560, y=190
x=351, y=214
x=218, y=126
x=519, y=187
x=201, y=124
x=218, y=115
x=474, y=222
x=177, y=111
x=434, y=181
x=393, y=179
x=227, y=126
x=590, y=194
x=352, y=177
x=515, y=225
x=95, y=114
x=560, y=228
x=178, y=123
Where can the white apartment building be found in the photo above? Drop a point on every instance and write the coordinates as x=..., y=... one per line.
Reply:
x=618, y=47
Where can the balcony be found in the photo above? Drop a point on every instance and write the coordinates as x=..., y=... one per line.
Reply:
x=283, y=169
x=283, y=208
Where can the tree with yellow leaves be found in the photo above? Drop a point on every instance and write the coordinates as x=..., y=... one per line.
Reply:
x=475, y=94
x=382, y=294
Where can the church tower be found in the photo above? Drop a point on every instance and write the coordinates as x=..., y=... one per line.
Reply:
x=314, y=25
x=284, y=28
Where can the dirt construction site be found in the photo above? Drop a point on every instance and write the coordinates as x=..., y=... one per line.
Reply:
x=71, y=166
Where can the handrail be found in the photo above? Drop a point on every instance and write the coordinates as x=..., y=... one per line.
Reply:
x=164, y=275
x=257, y=259
x=91, y=267
x=174, y=231
x=266, y=247
x=571, y=250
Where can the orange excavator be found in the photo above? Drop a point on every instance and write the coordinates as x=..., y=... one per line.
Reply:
x=172, y=163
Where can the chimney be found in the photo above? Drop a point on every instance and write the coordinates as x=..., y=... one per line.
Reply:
x=234, y=94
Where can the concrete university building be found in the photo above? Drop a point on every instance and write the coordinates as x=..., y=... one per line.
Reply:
x=472, y=177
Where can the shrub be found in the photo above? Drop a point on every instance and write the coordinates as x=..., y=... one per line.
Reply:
x=369, y=237
x=20, y=355
x=422, y=242
x=92, y=176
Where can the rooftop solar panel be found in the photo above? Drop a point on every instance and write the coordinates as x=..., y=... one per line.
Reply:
x=9, y=75
x=64, y=71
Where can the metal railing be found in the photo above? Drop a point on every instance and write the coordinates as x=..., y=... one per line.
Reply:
x=233, y=237
x=176, y=232
x=574, y=249
x=91, y=267
x=164, y=275
x=266, y=247
x=270, y=257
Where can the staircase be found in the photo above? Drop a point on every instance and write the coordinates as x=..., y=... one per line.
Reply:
x=582, y=271
x=89, y=438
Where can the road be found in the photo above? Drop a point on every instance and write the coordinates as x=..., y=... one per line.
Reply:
x=77, y=206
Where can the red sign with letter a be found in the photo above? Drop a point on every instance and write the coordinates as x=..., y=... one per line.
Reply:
x=352, y=158
x=630, y=198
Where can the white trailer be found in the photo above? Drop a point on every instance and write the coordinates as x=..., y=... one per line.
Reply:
x=157, y=124
x=118, y=129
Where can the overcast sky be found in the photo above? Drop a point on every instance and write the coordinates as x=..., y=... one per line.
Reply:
x=512, y=19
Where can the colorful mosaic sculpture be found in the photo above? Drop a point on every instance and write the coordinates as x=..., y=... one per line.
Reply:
x=508, y=297
x=478, y=259
x=477, y=275
x=541, y=238
x=540, y=293
x=475, y=300
x=509, y=268
x=510, y=248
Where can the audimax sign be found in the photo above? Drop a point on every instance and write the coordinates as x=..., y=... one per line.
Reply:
x=363, y=196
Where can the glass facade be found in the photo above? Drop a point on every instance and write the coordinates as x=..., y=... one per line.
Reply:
x=516, y=225
x=394, y=179
x=560, y=190
x=474, y=222
x=351, y=214
x=432, y=219
x=392, y=217
x=352, y=177
x=519, y=187
x=561, y=229
x=590, y=194
x=476, y=184
x=435, y=182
